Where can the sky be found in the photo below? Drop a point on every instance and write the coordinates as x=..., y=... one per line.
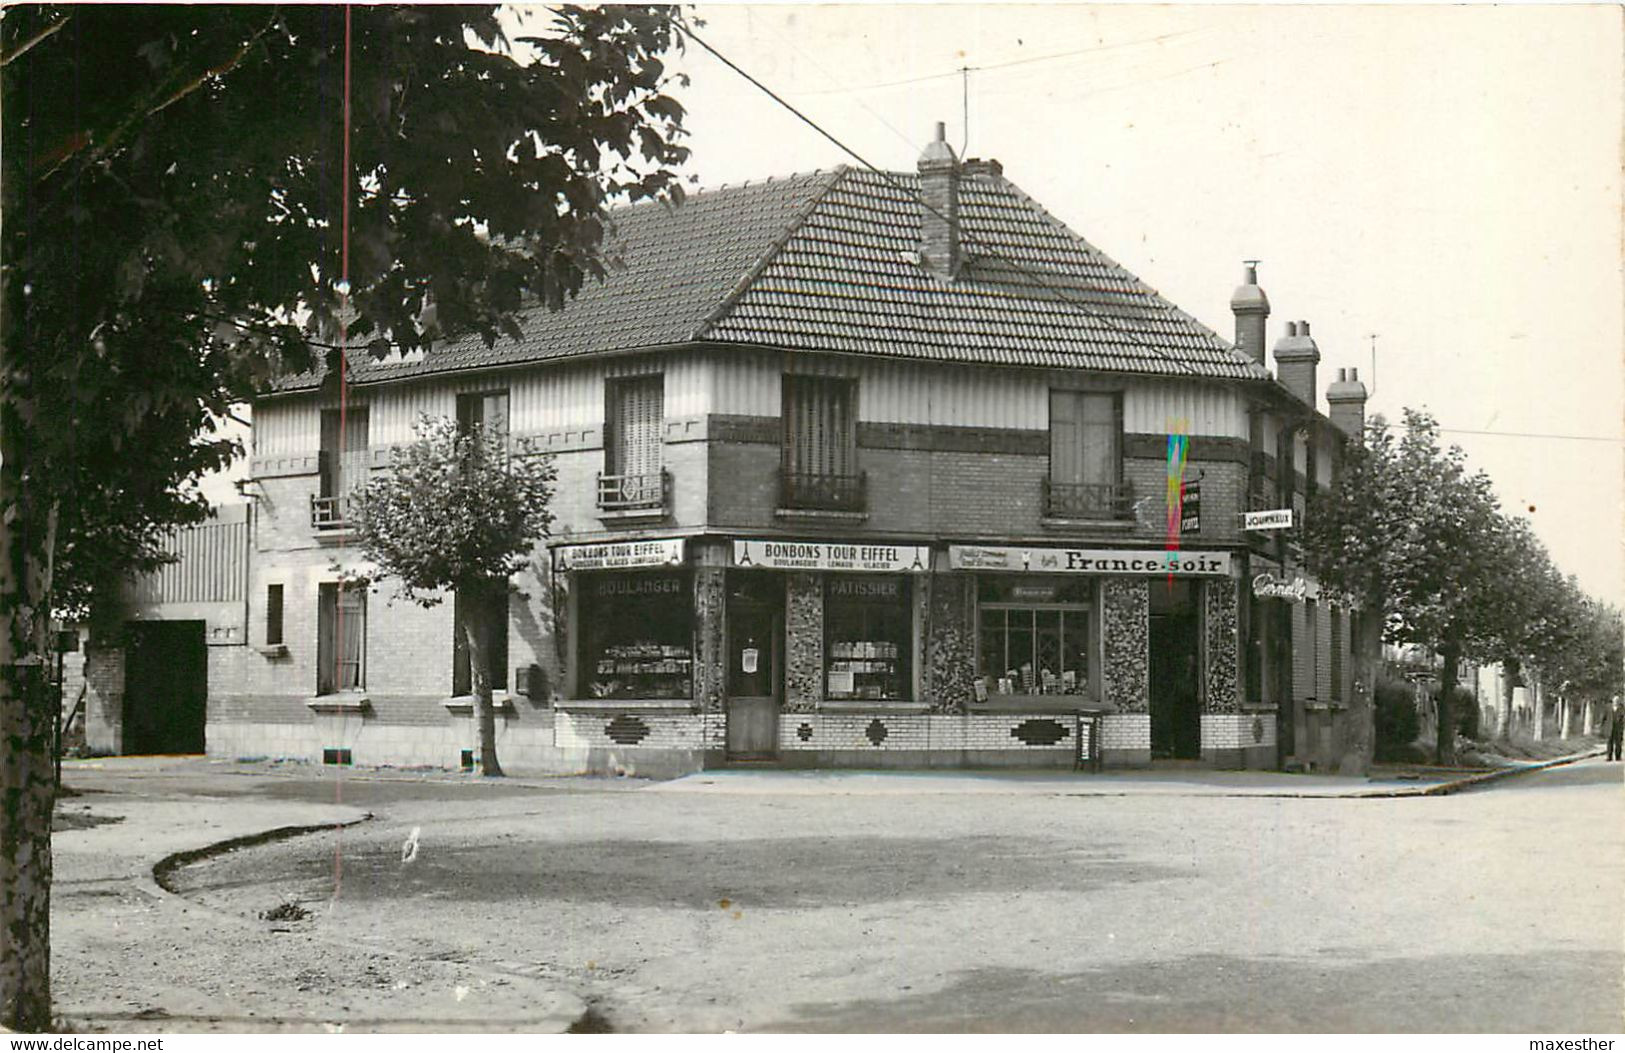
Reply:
x=1446, y=178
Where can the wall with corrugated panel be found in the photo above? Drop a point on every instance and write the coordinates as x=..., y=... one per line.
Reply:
x=212, y=565
x=539, y=399
x=748, y=383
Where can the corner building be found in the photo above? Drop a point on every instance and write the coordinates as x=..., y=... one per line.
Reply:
x=852, y=470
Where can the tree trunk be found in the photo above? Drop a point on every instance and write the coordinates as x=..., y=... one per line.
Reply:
x=27, y=786
x=1588, y=718
x=1445, y=750
x=1567, y=724
x=1537, y=709
x=476, y=630
x=1509, y=684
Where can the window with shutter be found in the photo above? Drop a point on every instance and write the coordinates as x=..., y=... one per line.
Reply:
x=819, y=457
x=1086, y=455
x=341, y=638
x=634, y=443
x=487, y=410
x=344, y=451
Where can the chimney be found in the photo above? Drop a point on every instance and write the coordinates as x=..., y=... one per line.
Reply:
x=1346, y=397
x=939, y=208
x=1252, y=311
x=1295, y=358
x=976, y=166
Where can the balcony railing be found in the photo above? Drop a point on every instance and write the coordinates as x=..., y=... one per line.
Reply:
x=330, y=513
x=819, y=492
x=1088, y=500
x=633, y=493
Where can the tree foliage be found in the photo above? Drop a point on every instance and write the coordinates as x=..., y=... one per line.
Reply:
x=458, y=511
x=176, y=231
x=1414, y=534
x=1418, y=536
x=455, y=510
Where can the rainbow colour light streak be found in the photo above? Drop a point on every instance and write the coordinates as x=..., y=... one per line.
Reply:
x=1178, y=446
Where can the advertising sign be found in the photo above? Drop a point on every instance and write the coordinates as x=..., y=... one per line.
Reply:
x=824, y=555
x=616, y=555
x=1089, y=560
x=1190, y=508
x=1273, y=519
x=1275, y=587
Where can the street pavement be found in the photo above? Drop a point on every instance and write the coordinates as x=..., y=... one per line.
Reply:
x=1174, y=900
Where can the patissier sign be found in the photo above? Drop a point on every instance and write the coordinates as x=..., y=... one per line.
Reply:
x=615, y=555
x=824, y=555
x=1089, y=560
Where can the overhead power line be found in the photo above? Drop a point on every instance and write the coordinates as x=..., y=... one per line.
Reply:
x=1061, y=292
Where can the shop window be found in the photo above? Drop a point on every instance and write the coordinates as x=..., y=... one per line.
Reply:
x=273, y=614
x=1086, y=456
x=341, y=638
x=637, y=635
x=1035, y=637
x=820, y=456
x=634, y=417
x=495, y=611
x=868, y=637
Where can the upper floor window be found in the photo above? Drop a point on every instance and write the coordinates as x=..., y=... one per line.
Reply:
x=343, y=464
x=487, y=410
x=819, y=459
x=634, y=443
x=1086, y=456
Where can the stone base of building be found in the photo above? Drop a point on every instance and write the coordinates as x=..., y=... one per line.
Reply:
x=1239, y=740
x=664, y=743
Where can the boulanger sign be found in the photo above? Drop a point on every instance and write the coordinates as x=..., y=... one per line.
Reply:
x=615, y=555
x=1088, y=560
x=823, y=555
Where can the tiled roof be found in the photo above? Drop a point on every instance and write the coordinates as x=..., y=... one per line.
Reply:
x=828, y=262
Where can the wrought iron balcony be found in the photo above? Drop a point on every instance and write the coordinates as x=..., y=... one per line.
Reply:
x=329, y=513
x=1088, y=500
x=634, y=493
x=819, y=492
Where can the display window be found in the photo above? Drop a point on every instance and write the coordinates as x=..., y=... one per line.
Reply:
x=868, y=637
x=637, y=635
x=1036, y=637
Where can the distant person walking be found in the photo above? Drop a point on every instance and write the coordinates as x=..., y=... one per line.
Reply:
x=1614, y=728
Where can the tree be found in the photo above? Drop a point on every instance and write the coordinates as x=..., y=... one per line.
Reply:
x=1413, y=534
x=458, y=511
x=198, y=197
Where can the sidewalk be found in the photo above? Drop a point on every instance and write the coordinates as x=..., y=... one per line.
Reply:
x=130, y=956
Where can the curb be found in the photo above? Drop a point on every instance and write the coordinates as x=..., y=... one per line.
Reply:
x=156, y=886
x=1457, y=785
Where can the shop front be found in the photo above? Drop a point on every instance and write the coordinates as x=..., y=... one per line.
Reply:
x=632, y=655
x=1146, y=639
x=817, y=627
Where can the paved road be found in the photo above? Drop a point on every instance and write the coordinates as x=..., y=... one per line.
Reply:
x=1500, y=909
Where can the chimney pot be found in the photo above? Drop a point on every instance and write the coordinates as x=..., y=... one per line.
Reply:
x=1304, y=328
x=940, y=250
x=1252, y=310
x=1292, y=329
x=1354, y=374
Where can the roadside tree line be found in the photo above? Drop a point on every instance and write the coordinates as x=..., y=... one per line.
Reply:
x=1419, y=539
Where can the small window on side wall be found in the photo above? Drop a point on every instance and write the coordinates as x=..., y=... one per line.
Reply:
x=273, y=614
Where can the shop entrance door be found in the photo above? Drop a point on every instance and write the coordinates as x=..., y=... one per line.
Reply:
x=755, y=625
x=1176, y=713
